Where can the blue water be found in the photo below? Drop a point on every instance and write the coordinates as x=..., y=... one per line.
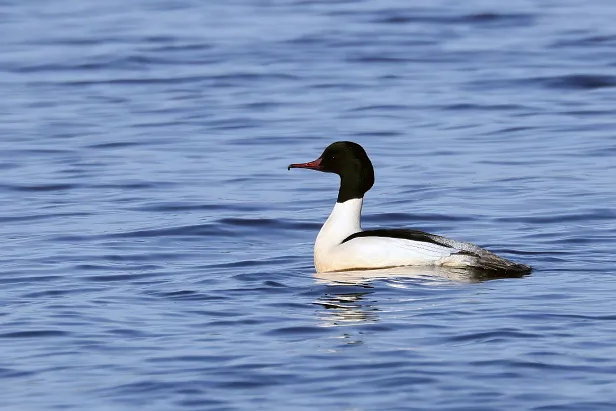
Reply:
x=156, y=254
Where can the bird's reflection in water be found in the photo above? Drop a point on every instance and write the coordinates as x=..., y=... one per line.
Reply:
x=425, y=274
x=347, y=308
x=347, y=299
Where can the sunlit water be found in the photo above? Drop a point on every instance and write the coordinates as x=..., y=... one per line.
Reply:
x=156, y=254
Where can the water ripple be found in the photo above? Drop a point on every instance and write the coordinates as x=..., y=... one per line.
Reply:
x=158, y=255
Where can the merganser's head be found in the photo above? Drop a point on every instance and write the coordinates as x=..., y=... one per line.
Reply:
x=350, y=161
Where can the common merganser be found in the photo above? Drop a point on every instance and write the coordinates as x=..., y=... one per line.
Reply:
x=342, y=245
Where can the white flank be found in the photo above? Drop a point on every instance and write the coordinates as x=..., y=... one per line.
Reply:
x=330, y=254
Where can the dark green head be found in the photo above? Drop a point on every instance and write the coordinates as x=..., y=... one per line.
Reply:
x=350, y=161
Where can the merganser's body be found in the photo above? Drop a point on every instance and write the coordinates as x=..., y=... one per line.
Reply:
x=343, y=245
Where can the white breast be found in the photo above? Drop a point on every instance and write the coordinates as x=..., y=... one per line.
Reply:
x=330, y=254
x=343, y=221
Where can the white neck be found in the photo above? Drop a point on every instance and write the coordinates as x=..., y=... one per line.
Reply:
x=342, y=222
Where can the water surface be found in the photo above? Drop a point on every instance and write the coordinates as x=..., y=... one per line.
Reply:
x=158, y=255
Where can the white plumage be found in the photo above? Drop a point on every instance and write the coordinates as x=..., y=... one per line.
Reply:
x=331, y=254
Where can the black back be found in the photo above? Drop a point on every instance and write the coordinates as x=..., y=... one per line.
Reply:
x=350, y=161
x=414, y=235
